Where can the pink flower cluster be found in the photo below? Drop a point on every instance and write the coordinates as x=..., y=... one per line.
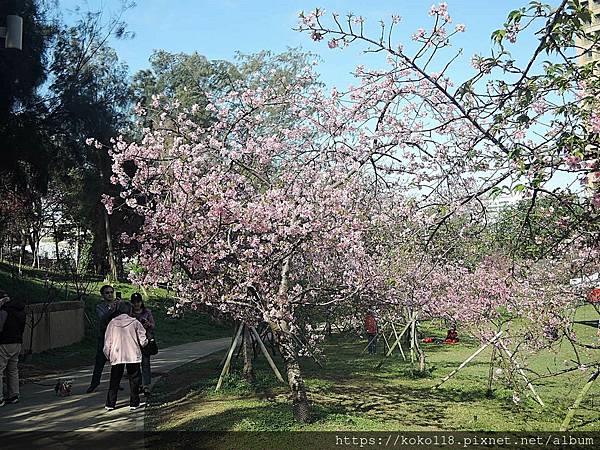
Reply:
x=595, y=122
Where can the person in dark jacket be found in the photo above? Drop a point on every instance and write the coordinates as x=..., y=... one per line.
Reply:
x=104, y=310
x=12, y=326
x=144, y=315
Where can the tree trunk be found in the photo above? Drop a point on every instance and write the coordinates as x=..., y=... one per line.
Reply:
x=56, y=248
x=287, y=348
x=77, y=249
x=22, y=252
x=421, y=359
x=489, y=393
x=328, y=328
x=111, y=253
x=248, y=371
x=300, y=404
x=419, y=350
x=37, y=252
x=31, y=238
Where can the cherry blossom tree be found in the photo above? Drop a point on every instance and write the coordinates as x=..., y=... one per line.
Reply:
x=248, y=216
x=512, y=125
x=295, y=199
x=519, y=127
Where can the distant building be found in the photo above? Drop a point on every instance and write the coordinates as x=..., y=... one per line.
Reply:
x=586, y=57
x=47, y=249
x=493, y=206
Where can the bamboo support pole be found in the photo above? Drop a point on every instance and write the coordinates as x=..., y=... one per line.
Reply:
x=398, y=340
x=266, y=353
x=308, y=350
x=229, y=355
x=565, y=423
x=399, y=343
x=468, y=360
x=522, y=373
x=225, y=355
x=268, y=337
x=393, y=345
x=412, y=339
x=387, y=341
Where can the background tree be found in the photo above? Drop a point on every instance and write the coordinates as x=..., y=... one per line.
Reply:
x=90, y=84
x=22, y=72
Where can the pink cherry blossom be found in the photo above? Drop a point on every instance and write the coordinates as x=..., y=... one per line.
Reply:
x=595, y=122
x=573, y=161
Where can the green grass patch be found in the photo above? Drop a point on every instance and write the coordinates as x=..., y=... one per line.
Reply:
x=350, y=394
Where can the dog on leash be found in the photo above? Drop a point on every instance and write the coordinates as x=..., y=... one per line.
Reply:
x=63, y=388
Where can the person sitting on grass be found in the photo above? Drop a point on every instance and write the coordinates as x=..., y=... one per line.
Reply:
x=452, y=336
x=124, y=338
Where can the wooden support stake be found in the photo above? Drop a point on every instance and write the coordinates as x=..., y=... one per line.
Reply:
x=266, y=353
x=385, y=339
x=565, y=424
x=393, y=346
x=468, y=360
x=267, y=334
x=399, y=343
x=239, y=350
x=521, y=372
x=310, y=353
x=398, y=340
x=225, y=355
x=229, y=355
x=412, y=339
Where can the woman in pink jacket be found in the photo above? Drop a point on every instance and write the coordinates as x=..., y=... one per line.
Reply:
x=123, y=340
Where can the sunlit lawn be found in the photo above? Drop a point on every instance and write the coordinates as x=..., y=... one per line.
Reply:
x=350, y=394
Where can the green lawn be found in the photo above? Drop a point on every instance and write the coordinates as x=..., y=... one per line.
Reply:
x=351, y=395
x=36, y=285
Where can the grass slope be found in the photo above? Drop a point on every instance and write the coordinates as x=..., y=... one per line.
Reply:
x=35, y=286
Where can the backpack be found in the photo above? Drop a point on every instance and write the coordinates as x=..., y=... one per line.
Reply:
x=151, y=348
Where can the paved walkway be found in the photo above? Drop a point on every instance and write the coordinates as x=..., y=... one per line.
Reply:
x=40, y=409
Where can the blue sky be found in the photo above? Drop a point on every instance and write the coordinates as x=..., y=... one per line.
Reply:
x=217, y=28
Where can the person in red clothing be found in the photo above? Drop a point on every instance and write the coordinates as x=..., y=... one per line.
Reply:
x=371, y=330
x=452, y=336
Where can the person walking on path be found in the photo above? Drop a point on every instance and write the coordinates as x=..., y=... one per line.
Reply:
x=371, y=330
x=124, y=338
x=12, y=326
x=144, y=315
x=103, y=312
